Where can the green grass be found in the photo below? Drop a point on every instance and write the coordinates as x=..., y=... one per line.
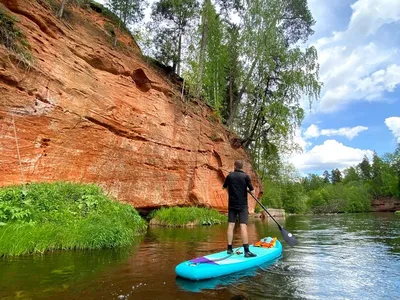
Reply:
x=397, y=212
x=186, y=216
x=57, y=216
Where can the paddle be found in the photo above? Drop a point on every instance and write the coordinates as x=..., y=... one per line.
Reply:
x=287, y=236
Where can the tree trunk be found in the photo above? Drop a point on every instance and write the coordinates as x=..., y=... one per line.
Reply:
x=115, y=36
x=229, y=122
x=178, y=63
x=202, y=51
x=62, y=7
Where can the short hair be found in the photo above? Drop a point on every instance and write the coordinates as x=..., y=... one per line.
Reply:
x=239, y=164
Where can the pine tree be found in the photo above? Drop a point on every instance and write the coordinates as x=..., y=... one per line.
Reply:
x=326, y=176
x=365, y=168
x=336, y=176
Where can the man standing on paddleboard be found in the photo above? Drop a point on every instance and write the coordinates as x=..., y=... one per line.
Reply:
x=237, y=183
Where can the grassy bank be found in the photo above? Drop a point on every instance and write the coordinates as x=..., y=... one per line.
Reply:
x=53, y=216
x=186, y=216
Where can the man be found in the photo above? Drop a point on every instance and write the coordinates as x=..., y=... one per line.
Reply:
x=237, y=183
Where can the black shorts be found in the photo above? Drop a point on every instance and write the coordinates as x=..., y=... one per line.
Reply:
x=242, y=213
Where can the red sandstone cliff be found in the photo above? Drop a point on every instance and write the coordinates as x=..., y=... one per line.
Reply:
x=86, y=112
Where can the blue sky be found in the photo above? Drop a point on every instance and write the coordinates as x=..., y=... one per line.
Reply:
x=358, y=44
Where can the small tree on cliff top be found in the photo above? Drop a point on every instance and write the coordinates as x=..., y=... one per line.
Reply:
x=172, y=19
x=127, y=10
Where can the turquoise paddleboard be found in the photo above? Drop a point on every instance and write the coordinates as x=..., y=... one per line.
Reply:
x=221, y=263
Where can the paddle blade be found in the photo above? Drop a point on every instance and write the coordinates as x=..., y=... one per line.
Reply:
x=288, y=237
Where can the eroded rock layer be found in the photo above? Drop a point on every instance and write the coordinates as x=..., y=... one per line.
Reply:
x=83, y=111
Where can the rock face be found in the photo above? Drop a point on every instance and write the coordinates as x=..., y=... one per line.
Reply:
x=385, y=204
x=86, y=112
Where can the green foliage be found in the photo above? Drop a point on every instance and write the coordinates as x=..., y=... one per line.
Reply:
x=12, y=38
x=184, y=216
x=272, y=194
x=327, y=177
x=351, y=175
x=285, y=190
x=171, y=19
x=127, y=10
x=365, y=168
x=114, y=19
x=312, y=182
x=216, y=59
x=50, y=216
x=336, y=176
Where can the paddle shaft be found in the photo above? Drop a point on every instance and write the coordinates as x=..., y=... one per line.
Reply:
x=264, y=208
x=287, y=236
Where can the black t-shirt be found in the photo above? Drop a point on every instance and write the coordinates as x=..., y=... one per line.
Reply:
x=237, y=183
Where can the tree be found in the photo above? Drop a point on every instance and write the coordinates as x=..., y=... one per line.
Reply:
x=336, y=176
x=172, y=19
x=204, y=26
x=60, y=12
x=313, y=182
x=326, y=176
x=232, y=100
x=216, y=59
x=277, y=74
x=350, y=174
x=376, y=166
x=127, y=10
x=365, y=168
x=396, y=166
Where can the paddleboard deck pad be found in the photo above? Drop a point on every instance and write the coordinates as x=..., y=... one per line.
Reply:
x=221, y=263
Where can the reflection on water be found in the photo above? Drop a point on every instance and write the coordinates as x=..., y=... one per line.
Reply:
x=338, y=257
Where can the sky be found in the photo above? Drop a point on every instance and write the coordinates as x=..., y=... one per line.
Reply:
x=358, y=44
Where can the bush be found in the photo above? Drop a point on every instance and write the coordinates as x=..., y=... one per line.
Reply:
x=61, y=215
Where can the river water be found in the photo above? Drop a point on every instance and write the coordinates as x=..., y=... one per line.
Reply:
x=349, y=256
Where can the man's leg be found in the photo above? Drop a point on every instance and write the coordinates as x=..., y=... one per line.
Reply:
x=244, y=218
x=231, y=226
x=244, y=234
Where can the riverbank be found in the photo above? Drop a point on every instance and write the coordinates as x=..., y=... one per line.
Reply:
x=186, y=216
x=42, y=217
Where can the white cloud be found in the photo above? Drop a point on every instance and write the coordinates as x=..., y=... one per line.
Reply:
x=301, y=141
x=349, y=132
x=393, y=123
x=330, y=155
x=353, y=66
x=380, y=80
x=312, y=132
x=369, y=15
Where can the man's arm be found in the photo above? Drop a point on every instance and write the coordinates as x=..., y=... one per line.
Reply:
x=248, y=183
x=226, y=182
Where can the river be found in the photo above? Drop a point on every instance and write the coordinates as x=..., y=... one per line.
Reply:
x=346, y=256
